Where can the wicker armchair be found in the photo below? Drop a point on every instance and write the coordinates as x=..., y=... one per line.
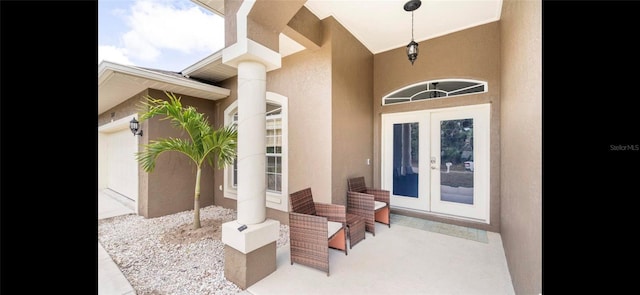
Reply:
x=313, y=228
x=370, y=203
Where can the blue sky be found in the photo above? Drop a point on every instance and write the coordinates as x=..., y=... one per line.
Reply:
x=161, y=34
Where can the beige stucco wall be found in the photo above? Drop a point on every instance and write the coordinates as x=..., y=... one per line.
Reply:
x=305, y=78
x=264, y=22
x=305, y=28
x=268, y=18
x=124, y=109
x=351, y=109
x=172, y=183
x=169, y=193
x=521, y=143
x=470, y=54
x=170, y=187
x=230, y=21
x=330, y=125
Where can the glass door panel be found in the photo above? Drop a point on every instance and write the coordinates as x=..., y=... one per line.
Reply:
x=401, y=172
x=405, y=159
x=460, y=161
x=456, y=161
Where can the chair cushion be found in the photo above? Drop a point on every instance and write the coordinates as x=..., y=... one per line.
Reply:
x=378, y=205
x=333, y=227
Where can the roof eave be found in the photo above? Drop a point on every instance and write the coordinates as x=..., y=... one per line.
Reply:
x=106, y=66
x=203, y=62
x=215, y=6
x=117, y=83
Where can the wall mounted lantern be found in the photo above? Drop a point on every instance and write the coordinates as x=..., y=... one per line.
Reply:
x=134, y=125
x=412, y=47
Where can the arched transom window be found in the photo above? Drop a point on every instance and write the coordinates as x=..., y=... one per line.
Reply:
x=434, y=89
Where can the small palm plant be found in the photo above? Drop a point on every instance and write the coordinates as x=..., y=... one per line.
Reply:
x=217, y=145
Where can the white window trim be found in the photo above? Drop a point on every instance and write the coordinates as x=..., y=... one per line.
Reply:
x=427, y=83
x=278, y=201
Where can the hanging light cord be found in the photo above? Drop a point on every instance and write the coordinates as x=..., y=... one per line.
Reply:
x=412, y=25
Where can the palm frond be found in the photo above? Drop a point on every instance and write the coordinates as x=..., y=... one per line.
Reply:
x=155, y=107
x=204, y=143
x=186, y=118
x=150, y=153
x=222, y=144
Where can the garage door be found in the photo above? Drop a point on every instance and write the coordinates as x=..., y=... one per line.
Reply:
x=122, y=167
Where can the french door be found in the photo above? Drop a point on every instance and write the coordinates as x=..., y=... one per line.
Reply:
x=438, y=160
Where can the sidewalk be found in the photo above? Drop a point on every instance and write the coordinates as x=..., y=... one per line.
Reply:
x=110, y=280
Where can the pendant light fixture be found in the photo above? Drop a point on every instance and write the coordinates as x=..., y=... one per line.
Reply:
x=412, y=47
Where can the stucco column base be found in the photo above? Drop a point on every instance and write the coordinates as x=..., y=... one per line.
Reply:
x=249, y=255
x=245, y=270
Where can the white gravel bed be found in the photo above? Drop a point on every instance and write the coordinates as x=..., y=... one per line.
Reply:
x=155, y=264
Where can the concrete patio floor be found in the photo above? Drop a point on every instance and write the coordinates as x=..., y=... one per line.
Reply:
x=398, y=260
x=414, y=256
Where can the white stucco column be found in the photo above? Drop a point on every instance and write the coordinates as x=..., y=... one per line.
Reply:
x=250, y=241
x=252, y=93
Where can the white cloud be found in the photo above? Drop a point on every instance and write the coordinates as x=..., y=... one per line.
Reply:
x=158, y=25
x=113, y=54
